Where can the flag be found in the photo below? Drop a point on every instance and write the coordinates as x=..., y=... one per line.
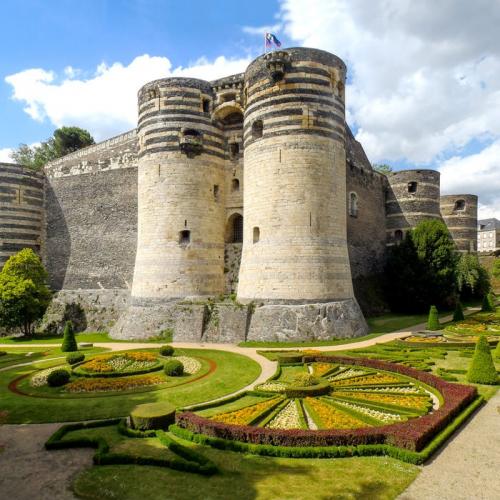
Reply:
x=272, y=40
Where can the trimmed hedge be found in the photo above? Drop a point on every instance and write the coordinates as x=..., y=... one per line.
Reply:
x=307, y=391
x=173, y=368
x=57, y=378
x=433, y=320
x=80, y=372
x=75, y=357
x=497, y=351
x=125, y=430
x=482, y=369
x=69, y=341
x=414, y=457
x=289, y=358
x=412, y=435
x=152, y=416
x=3, y=353
x=166, y=350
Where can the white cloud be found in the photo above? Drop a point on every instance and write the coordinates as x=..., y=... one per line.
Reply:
x=260, y=30
x=106, y=103
x=4, y=155
x=478, y=174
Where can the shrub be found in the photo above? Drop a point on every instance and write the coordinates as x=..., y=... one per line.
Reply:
x=152, y=416
x=75, y=357
x=166, y=350
x=458, y=314
x=3, y=353
x=304, y=380
x=433, y=321
x=288, y=358
x=497, y=350
x=487, y=305
x=57, y=378
x=173, y=368
x=69, y=342
x=482, y=369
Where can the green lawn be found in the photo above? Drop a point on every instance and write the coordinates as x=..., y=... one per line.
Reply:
x=233, y=372
x=57, y=339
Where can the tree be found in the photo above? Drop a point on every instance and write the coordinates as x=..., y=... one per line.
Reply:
x=64, y=140
x=458, y=314
x=488, y=304
x=69, y=342
x=382, y=168
x=472, y=278
x=482, y=369
x=24, y=295
x=433, y=320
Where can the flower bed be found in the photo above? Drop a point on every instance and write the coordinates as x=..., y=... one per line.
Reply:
x=287, y=418
x=327, y=416
x=39, y=379
x=372, y=379
x=247, y=415
x=113, y=384
x=191, y=365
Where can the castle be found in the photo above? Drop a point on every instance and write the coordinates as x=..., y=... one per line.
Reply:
x=251, y=184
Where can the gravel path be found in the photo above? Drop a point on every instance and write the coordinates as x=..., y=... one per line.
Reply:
x=29, y=472
x=468, y=467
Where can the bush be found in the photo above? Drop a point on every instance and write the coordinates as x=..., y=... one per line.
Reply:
x=433, y=321
x=288, y=358
x=295, y=391
x=57, y=378
x=497, y=351
x=75, y=357
x=304, y=380
x=3, y=353
x=152, y=416
x=166, y=350
x=173, y=368
x=472, y=278
x=487, y=305
x=482, y=369
x=458, y=314
x=69, y=342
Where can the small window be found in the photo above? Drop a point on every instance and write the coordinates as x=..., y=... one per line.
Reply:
x=256, y=234
x=235, y=185
x=184, y=237
x=234, y=149
x=216, y=192
x=205, y=103
x=191, y=132
x=257, y=129
x=398, y=235
x=237, y=229
x=459, y=205
x=412, y=187
x=353, y=205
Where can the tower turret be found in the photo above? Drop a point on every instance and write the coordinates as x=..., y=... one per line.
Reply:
x=459, y=212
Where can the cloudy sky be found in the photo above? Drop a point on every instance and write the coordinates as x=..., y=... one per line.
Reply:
x=423, y=88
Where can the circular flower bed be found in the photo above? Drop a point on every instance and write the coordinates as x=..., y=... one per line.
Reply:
x=119, y=365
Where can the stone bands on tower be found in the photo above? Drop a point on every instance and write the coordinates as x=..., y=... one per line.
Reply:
x=459, y=213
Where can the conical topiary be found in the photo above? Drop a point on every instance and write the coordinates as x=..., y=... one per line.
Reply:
x=497, y=351
x=482, y=369
x=492, y=300
x=69, y=342
x=487, y=305
x=433, y=321
x=458, y=314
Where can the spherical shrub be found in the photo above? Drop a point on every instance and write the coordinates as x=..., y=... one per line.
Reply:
x=166, y=350
x=173, y=368
x=58, y=378
x=75, y=357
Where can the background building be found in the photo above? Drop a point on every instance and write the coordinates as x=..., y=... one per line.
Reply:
x=488, y=235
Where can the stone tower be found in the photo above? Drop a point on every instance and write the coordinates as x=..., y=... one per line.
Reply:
x=459, y=212
x=412, y=196
x=180, y=244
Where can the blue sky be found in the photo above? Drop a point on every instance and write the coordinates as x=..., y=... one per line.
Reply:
x=423, y=88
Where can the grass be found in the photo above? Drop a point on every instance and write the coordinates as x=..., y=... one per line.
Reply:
x=233, y=372
x=57, y=339
x=252, y=477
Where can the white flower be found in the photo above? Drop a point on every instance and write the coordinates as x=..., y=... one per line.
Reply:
x=191, y=365
x=39, y=379
x=287, y=418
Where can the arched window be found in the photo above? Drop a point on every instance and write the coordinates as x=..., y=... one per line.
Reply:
x=257, y=129
x=205, y=104
x=412, y=187
x=353, y=204
x=184, y=237
x=398, y=235
x=237, y=229
x=256, y=234
x=235, y=185
x=234, y=150
x=459, y=205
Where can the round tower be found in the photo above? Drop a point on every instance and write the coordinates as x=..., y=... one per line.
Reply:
x=21, y=210
x=294, y=241
x=180, y=245
x=412, y=196
x=459, y=212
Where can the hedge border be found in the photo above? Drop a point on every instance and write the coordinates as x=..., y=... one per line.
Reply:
x=413, y=457
x=84, y=374
x=187, y=460
x=412, y=435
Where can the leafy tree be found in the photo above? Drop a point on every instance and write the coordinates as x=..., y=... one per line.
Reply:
x=472, y=278
x=382, y=168
x=69, y=342
x=64, y=140
x=24, y=295
x=433, y=320
x=421, y=269
x=482, y=369
x=458, y=314
x=495, y=271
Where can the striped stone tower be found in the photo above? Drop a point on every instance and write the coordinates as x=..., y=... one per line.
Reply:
x=412, y=196
x=21, y=210
x=459, y=212
x=180, y=247
x=294, y=243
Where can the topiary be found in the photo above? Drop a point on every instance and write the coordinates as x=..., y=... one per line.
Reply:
x=166, y=350
x=492, y=300
x=75, y=357
x=58, y=377
x=497, y=350
x=487, y=305
x=482, y=369
x=433, y=320
x=69, y=342
x=458, y=314
x=173, y=368
x=152, y=416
